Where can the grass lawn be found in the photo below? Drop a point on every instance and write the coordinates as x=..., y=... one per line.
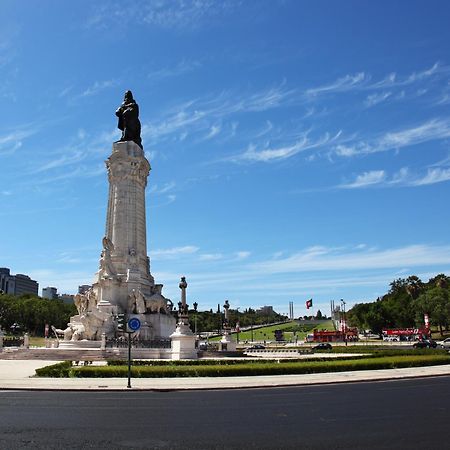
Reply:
x=266, y=333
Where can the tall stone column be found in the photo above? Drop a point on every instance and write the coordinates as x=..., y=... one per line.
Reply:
x=123, y=283
x=124, y=264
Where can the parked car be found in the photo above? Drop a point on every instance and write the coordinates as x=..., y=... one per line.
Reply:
x=256, y=347
x=323, y=346
x=444, y=344
x=428, y=343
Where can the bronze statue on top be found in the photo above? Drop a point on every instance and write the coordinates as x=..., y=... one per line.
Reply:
x=128, y=114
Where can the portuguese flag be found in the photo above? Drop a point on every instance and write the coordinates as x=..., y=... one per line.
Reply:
x=309, y=303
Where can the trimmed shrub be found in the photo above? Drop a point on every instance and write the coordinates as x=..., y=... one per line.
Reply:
x=246, y=369
x=59, y=370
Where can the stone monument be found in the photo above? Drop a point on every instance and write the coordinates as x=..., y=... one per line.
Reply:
x=183, y=339
x=227, y=343
x=124, y=283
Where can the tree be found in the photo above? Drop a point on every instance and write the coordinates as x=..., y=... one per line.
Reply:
x=319, y=315
x=436, y=303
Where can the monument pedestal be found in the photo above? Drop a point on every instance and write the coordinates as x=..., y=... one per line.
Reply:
x=226, y=344
x=183, y=343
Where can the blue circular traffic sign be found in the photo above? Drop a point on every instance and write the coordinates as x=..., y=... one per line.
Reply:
x=134, y=324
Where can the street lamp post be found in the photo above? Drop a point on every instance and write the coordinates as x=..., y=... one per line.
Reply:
x=195, y=304
x=238, y=327
x=344, y=321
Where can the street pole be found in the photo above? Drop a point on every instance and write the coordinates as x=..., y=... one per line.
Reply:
x=344, y=322
x=129, y=359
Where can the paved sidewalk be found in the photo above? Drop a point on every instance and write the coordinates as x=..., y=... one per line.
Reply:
x=19, y=374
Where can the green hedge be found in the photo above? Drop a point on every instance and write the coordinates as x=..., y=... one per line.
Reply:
x=59, y=370
x=256, y=368
x=218, y=362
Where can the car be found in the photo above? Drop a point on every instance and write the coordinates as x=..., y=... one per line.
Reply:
x=427, y=343
x=256, y=347
x=323, y=346
x=444, y=344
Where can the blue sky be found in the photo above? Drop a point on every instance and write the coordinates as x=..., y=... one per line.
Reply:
x=298, y=148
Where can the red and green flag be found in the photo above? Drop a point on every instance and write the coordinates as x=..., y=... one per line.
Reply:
x=309, y=303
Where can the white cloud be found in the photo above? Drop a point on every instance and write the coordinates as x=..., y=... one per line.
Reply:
x=97, y=87
x=346, y=83
x=433, y=129
x=366, y=179
x=242, y=255
x=374, y=99
x=404, y=178
x=174, y=252
x=437, y=175
x=64, y=160
x=167, y=187
x=184, y=66
x=213, y=131
x=12, y=141
x=284, y=152
x=168, y=14
x=324, y=259
x=210, y=257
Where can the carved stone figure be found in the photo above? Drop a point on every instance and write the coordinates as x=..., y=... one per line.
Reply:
x=107, y=269
x=73, y=332
x=156, y=303
x=67, y=333
x=81, y=303
x=136, y=302
x=128, y=114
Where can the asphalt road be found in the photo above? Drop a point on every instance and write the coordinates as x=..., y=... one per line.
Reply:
x=406, y=414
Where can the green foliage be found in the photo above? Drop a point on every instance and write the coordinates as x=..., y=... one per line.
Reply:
x=32, y=313
x=59, y=370
x=212, y=321
x=405, y=304
x=246, y=369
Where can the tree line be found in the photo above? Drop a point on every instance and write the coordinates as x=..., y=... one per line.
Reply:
x=213, y=321
x=405, y=305
x=29, y=313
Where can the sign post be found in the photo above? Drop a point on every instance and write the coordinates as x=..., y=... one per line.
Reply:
x=133, y=325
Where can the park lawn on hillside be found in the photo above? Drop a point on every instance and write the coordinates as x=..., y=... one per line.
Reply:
x=266, y=333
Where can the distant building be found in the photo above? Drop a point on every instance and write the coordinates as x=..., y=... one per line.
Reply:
x=5, y=280
x=66, y=298
x=265, y=310
x=84, y=288
x=50, y=293
x=17, y=284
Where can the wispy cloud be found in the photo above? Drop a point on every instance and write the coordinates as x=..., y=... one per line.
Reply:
x=164, y=189
x=434, y=129
x=181, y=68
x=13, y=140
x=210, y=257
x=326, y=258
x=343, y=84
x=243, y=254
x=366, y=179
x=374, y=99
x=403, y=178
x=169, y=14
x=284, y=152
x=362, y=81
x=205, y=115
x=97, y=87
x=213, y=131
x=433, y=176
x=174, y=252
x=61, y=161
